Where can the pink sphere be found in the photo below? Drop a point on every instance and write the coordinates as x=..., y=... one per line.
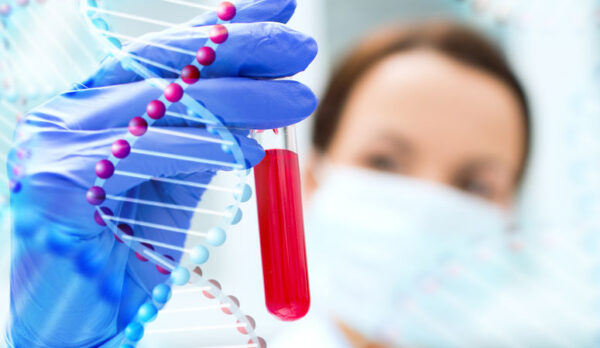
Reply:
x=214, y=283
x=138, y=126
x=218, y=34
x=18, y=171
x=190, y=74
x=229, y=310
x=242, y=329
x=105, y=169
x=173, y=92
x=23, y=154
x=95, y=195
x=98, y=218
x=206, y=56
x=5, y=9
x=140, y=256
x=163, y=270
x=226, y=11
x=125, y=229
x=156, y=109
x=22, y=2
x=120, y=148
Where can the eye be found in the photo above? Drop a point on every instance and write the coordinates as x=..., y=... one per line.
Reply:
x=478, y=187
x=382, y=162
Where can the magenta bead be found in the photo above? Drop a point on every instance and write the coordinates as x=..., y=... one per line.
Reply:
x=18, y=171
x=164, y=270
x=156, y=109
x=140, y=256
x=173, y=92
x=138, y=126
x=206, y=56
x=190, y=74
x=120, y=148
x=218, y=34
x=5, y=9
x=125, y=229
x=98, y=218
x=105, y=169
x=226, y=11
x=23, y=154
x=95, y=195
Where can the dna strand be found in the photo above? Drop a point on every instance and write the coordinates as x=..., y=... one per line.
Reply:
x=513, y=15
x=515, y=290
x=28, y=30
x=180, y=251
x=198, y=307
x=51, y=29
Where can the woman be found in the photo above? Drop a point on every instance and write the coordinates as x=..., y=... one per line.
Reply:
x=420, y=144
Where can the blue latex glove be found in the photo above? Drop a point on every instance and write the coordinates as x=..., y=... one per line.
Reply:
x=72, y=284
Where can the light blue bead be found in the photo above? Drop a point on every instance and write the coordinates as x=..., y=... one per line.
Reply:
x=226, y=148
x=11, y=95
x=100, y=24
x=134, y=331
x=236, y=214
x=245, y=193
x=180, y=276
x=92, y=3
x=199, y=254
x=212, y=130
x=115, y=42
x=147, y=312
x=161, y=293
x=216, y=236
x=127, y=64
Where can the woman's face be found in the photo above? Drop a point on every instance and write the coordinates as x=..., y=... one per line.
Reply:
x=425, y=115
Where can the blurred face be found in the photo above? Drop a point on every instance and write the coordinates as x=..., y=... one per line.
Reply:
x=424, y=115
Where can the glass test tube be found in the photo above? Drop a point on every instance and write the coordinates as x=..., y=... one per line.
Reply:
x=279, y=201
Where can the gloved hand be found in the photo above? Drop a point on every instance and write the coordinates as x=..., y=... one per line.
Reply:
x=72, y=283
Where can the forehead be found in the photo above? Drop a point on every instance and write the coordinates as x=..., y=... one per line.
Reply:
x=434, y=100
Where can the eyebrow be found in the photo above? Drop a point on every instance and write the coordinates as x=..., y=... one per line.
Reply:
x=481, y=163
x=398, y=142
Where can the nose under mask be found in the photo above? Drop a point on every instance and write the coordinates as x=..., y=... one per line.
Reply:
x=373, y=238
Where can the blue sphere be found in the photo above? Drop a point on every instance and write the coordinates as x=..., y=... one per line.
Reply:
x=161, y=293
x=216, y=236
x=115, y=42
x=147, y=312
x=226, y=148
x=244, y=194
x=134, y=331
x=199, y=254
x=236, y=214
x=180, y=276
x=100, y=24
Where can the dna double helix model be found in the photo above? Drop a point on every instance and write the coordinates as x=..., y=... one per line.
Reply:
x=179, y=252
x=187, y=300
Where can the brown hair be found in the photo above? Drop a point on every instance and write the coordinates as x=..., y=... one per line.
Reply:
x=455, y=41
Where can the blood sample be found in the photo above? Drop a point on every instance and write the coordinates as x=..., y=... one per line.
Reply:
x=279, y=201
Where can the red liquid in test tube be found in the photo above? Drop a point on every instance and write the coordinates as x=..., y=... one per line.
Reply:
x=283, y=250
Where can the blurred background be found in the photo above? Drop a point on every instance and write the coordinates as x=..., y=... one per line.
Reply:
x=552, y=44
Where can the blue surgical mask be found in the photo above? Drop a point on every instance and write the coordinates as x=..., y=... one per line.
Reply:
x=375, y=237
